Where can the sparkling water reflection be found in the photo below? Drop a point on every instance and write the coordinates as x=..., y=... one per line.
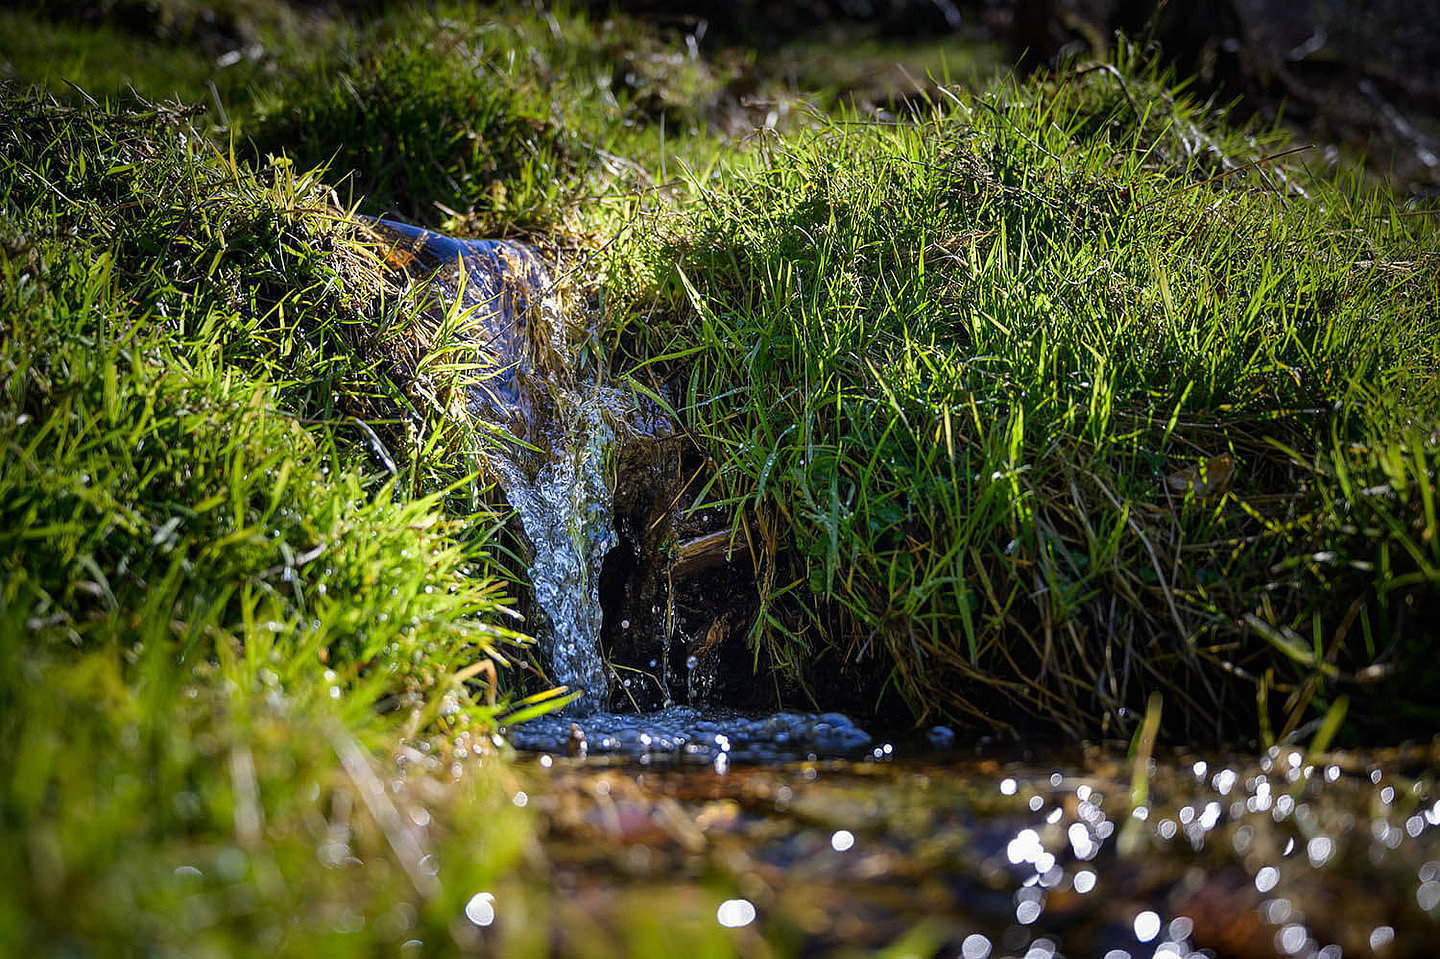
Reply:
x=962, y=849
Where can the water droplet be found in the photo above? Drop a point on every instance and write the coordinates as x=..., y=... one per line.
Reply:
x=1428, y=895
x=735, y=913
x=1147, y=926
x=1024, y=847
x=481, y=909
x=1277, y=911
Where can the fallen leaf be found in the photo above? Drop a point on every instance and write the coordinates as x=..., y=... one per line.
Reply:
x=1210, y=478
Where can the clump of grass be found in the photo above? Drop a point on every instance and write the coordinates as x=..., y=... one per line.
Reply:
x=1052, y=397
x=218, y=609
x=506, y=122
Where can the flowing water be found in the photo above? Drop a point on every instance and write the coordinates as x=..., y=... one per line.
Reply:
x=554, y=468
x=977, y=853
x=565, y=509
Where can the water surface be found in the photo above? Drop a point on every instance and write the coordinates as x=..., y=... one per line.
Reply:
x=974, y=855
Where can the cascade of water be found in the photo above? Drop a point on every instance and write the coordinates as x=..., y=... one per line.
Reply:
x=565, y=510
x=563, y=493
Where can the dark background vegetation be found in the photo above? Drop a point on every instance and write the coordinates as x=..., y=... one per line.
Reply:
x=1363, y=77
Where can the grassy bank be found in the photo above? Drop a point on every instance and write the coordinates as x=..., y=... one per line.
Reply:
x=217, y=609
x=1056, y=392
x=1061, y=393
x=1028, y=405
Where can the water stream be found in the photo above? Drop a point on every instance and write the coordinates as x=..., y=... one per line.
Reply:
x=981, y=852
x=565, y=509
x=555, y=468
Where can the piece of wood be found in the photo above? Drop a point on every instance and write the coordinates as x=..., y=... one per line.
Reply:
x=695, y=556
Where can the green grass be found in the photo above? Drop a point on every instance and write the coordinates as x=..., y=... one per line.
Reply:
x=974, y=350
x=219, y=55
x=215, y=606
x=492, y=123
x=1046, y=402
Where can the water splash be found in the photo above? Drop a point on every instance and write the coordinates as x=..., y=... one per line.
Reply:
x=565, y=510
x=556, y=472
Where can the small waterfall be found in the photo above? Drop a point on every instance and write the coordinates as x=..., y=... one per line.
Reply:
x=565, y=509
x=558, y=478
x=556, y=456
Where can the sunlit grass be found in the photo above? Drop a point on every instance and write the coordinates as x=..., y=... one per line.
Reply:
x=217, y=608
x=1063, y=394
x=1056, y=379
x=494, y=124
x=1050, y=400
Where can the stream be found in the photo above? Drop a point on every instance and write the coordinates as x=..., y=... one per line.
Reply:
x=555, y=440
x=980, y=853
x=694, y=826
